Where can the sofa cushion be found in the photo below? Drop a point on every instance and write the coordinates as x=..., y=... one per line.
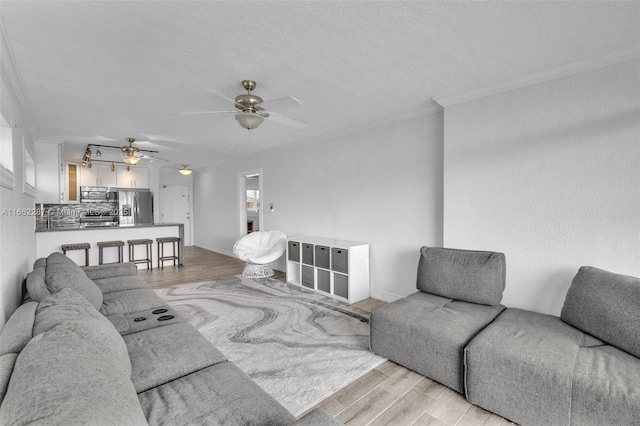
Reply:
x=7, y=361
x=161, y=354
x=428, y=333
x=36, y=285
x=471, y=276
x=108, y=270
x=521, y=367
x=232, y=399
x=131, y=301
x=66, y=376
x=120, y=283
x=68, y=310
x=606, y=305
x=14, y=337
x=61, y=272
x=19, y=329
x=131, y=323
x=605, y=387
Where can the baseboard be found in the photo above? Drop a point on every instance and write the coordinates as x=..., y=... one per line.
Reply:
x=277, y=265
x=389, y=297
x=219, y=251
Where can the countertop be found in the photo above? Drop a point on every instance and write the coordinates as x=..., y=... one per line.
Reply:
x=78, y=227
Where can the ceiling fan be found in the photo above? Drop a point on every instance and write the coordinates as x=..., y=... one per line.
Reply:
x=130, y=154
x=250, y=110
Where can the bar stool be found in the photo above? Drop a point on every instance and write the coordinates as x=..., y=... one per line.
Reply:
x=132, y=250
x=176, y=252
x=78, y=246
x=105, y=244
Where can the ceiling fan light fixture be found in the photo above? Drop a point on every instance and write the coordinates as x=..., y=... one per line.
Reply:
x=129, y=153
x=249, y=120
x=132, y=160
x=185, y=170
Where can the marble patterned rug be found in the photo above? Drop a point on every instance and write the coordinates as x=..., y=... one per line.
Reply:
x=297, y=345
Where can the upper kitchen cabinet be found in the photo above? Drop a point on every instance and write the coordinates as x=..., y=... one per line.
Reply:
x=49, y=172
x=135, y=177
x=98, y=175
x=71, y=179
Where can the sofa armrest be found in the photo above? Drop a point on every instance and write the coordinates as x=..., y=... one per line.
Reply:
x=97, y=272
x=317, y=417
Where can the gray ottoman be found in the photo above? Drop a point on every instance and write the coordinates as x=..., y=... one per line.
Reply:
x=460, y=294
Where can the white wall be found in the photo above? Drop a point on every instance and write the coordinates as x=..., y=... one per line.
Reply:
x=17, y=232
x=382, y=186
x=550, y=175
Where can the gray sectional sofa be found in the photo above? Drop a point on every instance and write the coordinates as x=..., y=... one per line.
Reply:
x=96, y=346
x=582, y=368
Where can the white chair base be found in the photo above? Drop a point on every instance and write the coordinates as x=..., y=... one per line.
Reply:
x=254, y=270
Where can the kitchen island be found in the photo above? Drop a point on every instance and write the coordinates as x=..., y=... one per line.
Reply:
x=49, y=240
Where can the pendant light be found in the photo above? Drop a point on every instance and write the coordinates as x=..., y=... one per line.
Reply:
x=185, y=170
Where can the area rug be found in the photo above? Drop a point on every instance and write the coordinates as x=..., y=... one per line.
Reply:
x=298, y=345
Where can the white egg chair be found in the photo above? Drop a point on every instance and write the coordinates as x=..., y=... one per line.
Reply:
x=259, y=249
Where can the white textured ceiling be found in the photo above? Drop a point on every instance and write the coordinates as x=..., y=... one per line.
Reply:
x=113, y=69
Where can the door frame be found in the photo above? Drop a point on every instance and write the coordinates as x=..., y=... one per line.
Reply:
x=242, y=199
x=190, y=235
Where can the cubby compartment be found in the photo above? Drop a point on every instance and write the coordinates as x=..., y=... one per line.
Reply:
x=340, y=260
x=324, y=280
x=323, y=256
x=341, y=285
x=307, y=254
x=294, y=273
x=293, y=249
x=308, y=276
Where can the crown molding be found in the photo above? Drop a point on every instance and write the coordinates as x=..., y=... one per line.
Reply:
x=620, y=54
x=14, y=83
x=387, y=121
x=430, y=109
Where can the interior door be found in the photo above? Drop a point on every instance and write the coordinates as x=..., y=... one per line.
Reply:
x=175, y=206
x=250, y=194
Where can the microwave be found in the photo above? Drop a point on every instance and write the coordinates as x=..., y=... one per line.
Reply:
x=98, y=194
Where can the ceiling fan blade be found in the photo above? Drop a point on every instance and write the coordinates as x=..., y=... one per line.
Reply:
x=278, y=118
x=222, y=95
x=154, y=157
x=280, y=103
x=208, y=112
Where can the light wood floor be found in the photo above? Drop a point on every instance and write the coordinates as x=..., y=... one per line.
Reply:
x=387, y=395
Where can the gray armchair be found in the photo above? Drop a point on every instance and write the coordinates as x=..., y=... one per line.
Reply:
x=459, y=294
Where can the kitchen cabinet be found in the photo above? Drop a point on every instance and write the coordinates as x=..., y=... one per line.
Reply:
x=98, y=175
x=49, y=172
x=135, y=177
x=71, y=190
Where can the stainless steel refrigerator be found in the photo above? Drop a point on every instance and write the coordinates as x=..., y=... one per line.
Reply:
x=135, y=207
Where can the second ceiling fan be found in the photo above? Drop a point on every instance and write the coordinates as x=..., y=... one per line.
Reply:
x=250, y=110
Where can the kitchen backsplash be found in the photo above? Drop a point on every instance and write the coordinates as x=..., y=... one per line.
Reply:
x=68, y=215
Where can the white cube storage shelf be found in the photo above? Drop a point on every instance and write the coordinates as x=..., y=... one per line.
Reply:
x=335, y=268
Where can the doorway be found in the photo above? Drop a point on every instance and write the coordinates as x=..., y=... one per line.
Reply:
x=175, y=206
x=250, y=195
